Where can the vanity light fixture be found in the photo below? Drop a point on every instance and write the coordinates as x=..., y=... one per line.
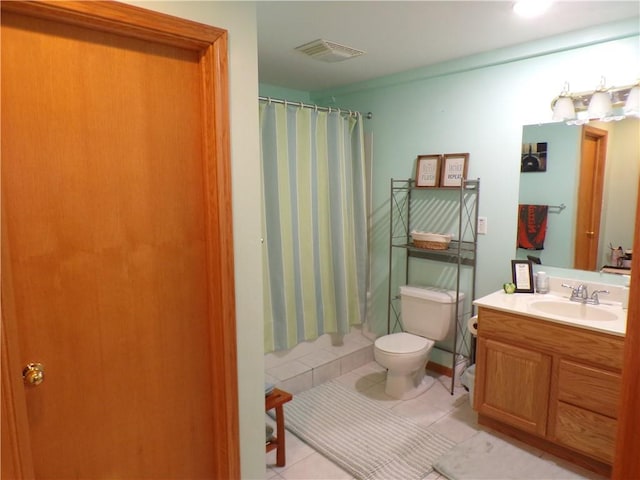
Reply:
x=605, y=104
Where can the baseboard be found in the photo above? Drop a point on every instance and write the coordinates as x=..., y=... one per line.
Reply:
x=441, y=369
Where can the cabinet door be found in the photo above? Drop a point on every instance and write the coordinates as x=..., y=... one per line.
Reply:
x=515, y=385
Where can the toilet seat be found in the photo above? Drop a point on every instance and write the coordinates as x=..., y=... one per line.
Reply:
x=402, y=343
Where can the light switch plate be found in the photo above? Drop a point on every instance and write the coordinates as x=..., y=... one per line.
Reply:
x=482, y=225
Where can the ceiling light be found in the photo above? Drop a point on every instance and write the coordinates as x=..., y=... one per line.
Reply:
x=531, y=8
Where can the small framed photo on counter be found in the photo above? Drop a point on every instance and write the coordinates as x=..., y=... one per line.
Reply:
x=428, y=170
x=522, y=272
x=454, y=169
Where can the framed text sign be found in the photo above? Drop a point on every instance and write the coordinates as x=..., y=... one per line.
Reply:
x=454, y=169
x=522, y=276
x=428, y=171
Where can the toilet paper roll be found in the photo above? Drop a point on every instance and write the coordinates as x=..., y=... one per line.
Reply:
x=472, y=325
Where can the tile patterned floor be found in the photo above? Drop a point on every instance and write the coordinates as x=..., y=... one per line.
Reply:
x=450, y=415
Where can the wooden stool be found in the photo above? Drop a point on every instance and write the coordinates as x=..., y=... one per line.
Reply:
x=276, y=399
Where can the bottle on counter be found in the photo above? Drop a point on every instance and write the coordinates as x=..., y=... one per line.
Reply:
x=617, y=255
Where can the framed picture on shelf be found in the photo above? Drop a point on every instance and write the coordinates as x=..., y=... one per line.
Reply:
x=427, y=170
x=522, y=273
x=454, y=169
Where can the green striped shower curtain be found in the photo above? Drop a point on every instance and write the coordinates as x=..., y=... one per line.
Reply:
x=315, y=239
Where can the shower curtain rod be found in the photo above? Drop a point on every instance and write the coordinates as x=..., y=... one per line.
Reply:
x=315, y=107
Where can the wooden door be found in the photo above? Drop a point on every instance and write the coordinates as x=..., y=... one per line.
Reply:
x=117, y=271
x=627, y=463
x=590, y=187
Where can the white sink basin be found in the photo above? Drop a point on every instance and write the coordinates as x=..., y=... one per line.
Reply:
x=573, y=310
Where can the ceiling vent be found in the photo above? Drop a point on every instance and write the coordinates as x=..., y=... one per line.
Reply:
x=328, y=51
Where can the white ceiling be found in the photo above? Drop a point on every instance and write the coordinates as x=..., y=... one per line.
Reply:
x=403, y=35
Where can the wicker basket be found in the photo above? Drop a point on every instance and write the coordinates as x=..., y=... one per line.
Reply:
x=431, y=245
x=430, y=241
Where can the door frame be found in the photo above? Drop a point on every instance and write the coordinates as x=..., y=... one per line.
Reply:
x=589, y=202
x=211, y=45
x=626, y=464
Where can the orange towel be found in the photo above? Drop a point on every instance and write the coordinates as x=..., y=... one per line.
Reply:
x=532, y=226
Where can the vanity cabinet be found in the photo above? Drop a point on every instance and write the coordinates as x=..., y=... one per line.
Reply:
x=551, y=385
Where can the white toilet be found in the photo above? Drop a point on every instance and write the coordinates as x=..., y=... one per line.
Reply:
x=428, y=315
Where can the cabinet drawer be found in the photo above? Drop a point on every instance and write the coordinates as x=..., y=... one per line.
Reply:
x=585, y=431
x=546, y=336
x=589, y=387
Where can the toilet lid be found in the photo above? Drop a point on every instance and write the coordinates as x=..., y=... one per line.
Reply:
x=402, y=343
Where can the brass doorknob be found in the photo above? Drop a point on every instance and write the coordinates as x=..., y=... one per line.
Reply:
x=33, y=374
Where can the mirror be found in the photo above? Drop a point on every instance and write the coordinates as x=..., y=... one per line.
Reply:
x=550, y=175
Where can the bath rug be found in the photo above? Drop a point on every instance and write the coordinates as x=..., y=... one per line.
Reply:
x=363, y=438
x=487, y=457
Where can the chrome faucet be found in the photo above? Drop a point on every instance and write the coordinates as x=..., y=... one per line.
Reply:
x=580, y=293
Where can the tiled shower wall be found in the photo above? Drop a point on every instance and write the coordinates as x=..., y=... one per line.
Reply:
x=311, y=363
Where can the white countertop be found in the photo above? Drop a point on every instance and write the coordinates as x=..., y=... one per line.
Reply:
x=520, y=303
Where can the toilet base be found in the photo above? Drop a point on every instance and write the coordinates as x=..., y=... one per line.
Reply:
x=405, y=387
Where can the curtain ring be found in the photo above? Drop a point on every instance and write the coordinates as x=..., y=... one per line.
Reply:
x=315, y=107
x=268, y=100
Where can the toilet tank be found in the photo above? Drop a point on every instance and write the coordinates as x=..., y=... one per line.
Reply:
x=429, y=311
